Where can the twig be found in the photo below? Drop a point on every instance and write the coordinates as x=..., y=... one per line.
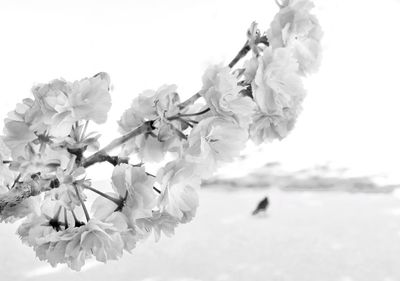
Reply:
x=82, y=204
x=114, y=200
x=190, y=101
x=99, y=155
x=245, y=49
x=180, y=115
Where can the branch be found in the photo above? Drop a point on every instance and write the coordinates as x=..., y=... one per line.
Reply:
x=15, y=196
x=241, y=54
x=190, y=101
x=24, y=190
x=101, y=155
x=245, y=49
x=180, y=115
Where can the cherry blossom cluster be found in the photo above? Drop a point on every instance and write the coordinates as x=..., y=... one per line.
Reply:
x=47, y=148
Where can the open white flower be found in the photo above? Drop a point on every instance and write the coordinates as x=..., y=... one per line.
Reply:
x=277, y=85
x=278, y=92
x=179, y=183
x=62, y=103
x=294, y=27
x=90, y=98
x=133, y=184
x=223, y=96
x=151, y=105
x=215, y=140
x=269, y=127
x=70, y=180
x=159, y=222
x=74, y=245
x=20, y=127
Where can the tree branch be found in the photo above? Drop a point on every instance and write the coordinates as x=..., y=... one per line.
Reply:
x=21, y=191
x=101, y=155
x=190, y=101
x=15, y=196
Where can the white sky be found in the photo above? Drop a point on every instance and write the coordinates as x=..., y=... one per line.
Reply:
x=351, y=115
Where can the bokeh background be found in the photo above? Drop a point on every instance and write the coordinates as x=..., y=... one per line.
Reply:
x=347, y=138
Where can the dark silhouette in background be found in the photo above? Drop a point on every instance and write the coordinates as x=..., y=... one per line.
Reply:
x=262, y=206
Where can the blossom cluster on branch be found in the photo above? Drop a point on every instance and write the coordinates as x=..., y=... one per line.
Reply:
x=47, y=147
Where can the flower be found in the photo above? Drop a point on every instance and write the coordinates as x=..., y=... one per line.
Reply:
x=19, y=127
x=134, y=195
x=153, y=105
x=64, y=103
x=269, y=127
x=56, y=107
x=159, y=222
x=44, y=161
x=215, y=140
x=294, y=27
x=179, y=182
x=250, y=69
x=74, y=245
x=136, y=186
x=277, y=85
x=70, y=180
x=90, y=98
x=224, y=97
x=278, y=92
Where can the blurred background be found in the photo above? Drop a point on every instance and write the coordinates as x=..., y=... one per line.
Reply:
x=334, y=209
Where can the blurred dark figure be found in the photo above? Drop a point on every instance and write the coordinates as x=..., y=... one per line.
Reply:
x=262, y=206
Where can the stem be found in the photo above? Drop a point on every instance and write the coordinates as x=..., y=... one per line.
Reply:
x=65, y=218
x=57, y=214
x=192, y=121
x=82, y=203
x=179, y=115
x=84, y=130
x=144, y=128
x=245, y=49
x=185, y=122
x=190, y=100
x=77, y=222
x=195, y=114
x=16, y=180
x=113, y=160
x=114, y=200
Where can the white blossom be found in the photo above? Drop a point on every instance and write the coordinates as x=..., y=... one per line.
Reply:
x=179, y=182
x=215, y=140
x=294, y=27
x=270, y=127
x=278, y=92
x=74, y=245
x=136, y=186
x=224, y=97
x=159, y=222
x=153, y=105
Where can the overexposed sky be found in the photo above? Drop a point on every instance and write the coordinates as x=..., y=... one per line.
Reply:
x=351, y=115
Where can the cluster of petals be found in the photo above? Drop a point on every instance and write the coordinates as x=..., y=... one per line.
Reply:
x=101, y=239
x=278, y=92
x=296, y=28
x=55, y=108
x=223, y=95
x=153, y=105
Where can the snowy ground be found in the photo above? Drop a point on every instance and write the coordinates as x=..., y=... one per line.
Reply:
x=305, y=236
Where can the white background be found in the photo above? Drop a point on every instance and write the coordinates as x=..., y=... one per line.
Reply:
x=351, y=115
